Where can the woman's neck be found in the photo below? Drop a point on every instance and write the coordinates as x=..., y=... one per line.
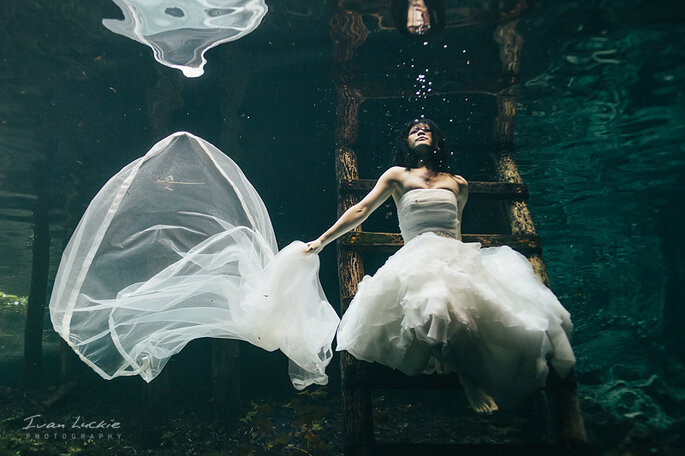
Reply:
x=425, y=156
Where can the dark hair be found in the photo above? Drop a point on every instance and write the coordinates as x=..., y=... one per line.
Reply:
x=407, y=157
x=436, y=12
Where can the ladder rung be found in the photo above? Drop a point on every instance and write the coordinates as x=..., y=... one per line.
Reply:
x=496, y=190
x=362, y=240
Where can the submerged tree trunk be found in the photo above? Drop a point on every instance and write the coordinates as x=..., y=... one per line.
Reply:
x=154, y=408
x=33, y=332
x=226, y=389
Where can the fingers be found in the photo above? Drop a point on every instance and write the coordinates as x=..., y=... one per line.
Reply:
x=313, y=247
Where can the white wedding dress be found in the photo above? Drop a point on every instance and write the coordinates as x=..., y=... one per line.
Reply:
x=481, y=313
x=178, y=246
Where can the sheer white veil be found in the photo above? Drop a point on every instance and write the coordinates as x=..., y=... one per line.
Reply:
x=177, y=246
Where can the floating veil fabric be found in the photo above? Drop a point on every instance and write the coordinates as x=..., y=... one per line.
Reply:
x=178, y=246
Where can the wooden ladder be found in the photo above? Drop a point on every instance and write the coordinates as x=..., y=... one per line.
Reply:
x=349, y=32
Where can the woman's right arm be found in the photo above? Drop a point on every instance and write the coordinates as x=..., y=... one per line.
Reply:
x=356, y=214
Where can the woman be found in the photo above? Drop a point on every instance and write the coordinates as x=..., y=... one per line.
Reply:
x=481, y=313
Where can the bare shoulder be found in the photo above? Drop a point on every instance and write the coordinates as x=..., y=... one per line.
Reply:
x=460, y=180
x=393, y=174
x=389, y=180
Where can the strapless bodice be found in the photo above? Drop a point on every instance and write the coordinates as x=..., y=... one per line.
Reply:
x=428, y=209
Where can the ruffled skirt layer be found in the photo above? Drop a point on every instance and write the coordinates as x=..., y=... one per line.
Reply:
x=481, y=313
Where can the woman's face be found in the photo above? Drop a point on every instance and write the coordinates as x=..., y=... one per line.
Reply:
x=419, y=134
x=418, y=19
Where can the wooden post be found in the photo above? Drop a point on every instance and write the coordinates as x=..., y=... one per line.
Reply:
x=569, y=429
x=348, y=32
x=356, y=400
x=517, y=212
x=510, y=43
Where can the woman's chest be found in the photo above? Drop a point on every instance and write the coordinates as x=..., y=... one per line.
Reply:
x=425, y=180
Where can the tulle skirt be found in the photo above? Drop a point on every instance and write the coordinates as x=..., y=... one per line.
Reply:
x=479, y=312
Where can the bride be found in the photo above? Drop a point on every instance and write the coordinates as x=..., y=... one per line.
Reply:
x=481, y=313
x=178, y=246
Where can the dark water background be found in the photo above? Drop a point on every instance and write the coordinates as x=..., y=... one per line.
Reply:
x=600, y=140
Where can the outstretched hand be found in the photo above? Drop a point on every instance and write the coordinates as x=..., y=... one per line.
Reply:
x=313, y=247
